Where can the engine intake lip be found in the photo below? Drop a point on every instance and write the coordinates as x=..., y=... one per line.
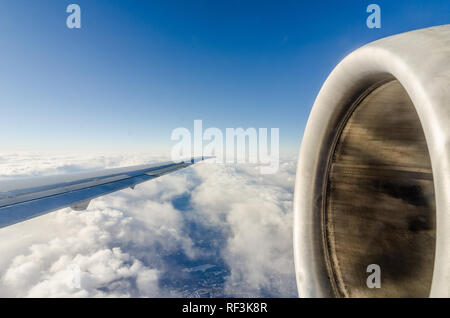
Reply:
x=420, y=62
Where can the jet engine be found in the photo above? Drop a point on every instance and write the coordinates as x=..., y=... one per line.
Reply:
x=373, y=178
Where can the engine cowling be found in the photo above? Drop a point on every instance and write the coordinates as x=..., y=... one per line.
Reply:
x=373, y=178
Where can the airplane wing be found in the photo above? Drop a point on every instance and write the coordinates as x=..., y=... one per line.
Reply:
x=24, y=199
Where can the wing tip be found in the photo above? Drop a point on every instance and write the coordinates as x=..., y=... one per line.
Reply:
x=202, y=158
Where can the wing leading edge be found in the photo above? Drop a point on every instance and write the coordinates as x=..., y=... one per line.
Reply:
x=21, y=200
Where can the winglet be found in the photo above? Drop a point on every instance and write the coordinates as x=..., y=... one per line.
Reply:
x=202, y=158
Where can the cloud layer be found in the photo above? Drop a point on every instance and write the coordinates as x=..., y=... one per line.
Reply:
x=209, y=230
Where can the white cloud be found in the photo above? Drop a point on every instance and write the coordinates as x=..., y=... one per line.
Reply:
x=257, y=209
x=128, y=244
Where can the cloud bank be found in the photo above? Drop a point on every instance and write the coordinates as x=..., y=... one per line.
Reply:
x=206, y=231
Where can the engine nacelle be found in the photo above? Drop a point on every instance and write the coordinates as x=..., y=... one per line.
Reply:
x=373, y=178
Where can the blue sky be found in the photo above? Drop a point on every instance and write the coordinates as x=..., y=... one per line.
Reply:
x=136, y=70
